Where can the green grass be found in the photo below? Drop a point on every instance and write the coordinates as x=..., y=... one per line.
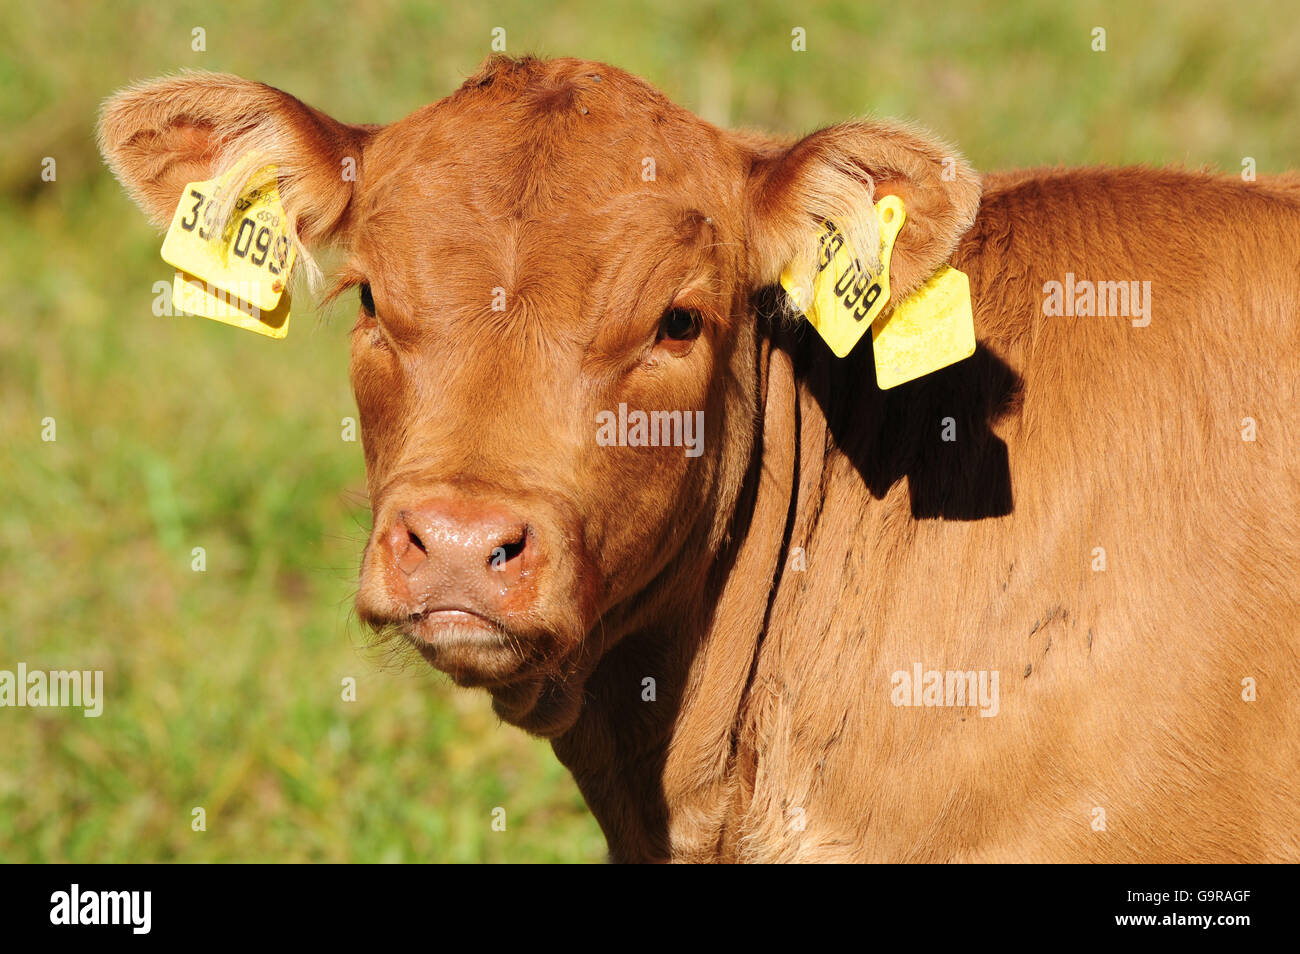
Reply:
x=224, y=687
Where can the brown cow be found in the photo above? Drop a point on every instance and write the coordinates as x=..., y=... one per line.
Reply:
x=789, y=645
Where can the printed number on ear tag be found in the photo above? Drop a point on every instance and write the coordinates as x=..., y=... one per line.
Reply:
x=846, y=295
x=237, y=275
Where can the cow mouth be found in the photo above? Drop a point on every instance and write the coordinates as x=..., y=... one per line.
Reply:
x=472, y=648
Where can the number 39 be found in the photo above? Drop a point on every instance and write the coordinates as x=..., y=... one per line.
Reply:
x=199, y=199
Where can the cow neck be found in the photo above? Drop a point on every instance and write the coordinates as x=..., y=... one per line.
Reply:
x=667, y=787
x=701, y=783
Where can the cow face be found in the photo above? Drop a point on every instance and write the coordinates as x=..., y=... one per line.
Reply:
x=554, y=355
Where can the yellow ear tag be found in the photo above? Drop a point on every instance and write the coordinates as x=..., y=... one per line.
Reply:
x=239, y=275
x=929, y=329
x=847, y=297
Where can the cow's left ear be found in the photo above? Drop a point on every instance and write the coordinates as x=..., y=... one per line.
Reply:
x=838, y=174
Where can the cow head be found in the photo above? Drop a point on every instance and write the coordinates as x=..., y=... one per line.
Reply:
x=554, y=268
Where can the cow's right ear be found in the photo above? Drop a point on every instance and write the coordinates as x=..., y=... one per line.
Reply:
x=159, y=135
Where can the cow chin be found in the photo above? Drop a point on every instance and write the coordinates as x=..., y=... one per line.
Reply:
x=473, y=651
x=476, y=652
x=526, y=661
x=528, y=686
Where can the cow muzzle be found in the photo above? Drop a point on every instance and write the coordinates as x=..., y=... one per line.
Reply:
x=484, y=592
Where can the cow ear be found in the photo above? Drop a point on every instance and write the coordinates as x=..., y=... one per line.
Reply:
x=159, y=135
x=838, y=174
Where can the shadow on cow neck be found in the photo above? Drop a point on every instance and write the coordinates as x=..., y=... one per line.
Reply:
x=936, y=431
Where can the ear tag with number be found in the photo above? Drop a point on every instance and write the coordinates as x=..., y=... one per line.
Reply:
x=846, y=296
x=238, y=275
x=930, y=329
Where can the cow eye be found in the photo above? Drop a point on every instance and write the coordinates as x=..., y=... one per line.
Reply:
x=367, y=300
x=680, y=324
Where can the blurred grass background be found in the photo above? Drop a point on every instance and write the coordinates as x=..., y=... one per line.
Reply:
x=224, y=687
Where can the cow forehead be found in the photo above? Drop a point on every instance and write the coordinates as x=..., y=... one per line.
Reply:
x=535, y=139
x=550, y=189
x=553, y=276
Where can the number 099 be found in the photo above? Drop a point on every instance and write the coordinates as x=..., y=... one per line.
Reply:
x=264, y=249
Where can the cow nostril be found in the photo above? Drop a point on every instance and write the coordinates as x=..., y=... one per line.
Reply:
x=507, y=550
x=417, y=542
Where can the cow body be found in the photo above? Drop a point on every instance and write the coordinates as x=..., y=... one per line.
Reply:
x=1037, y=606
x=1121, y=683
